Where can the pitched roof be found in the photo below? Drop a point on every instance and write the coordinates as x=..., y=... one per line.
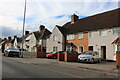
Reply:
x=61, y=29
x=104, y=20
x=25, y=36
x=42, y=34
x=116, y=41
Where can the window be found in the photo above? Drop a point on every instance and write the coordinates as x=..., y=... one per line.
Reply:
x=90, y=48
x=55, y=48
x=70, y=48
x=90, y=34
x=118, y=47
x=103, y=33
x=80, y=49
x=55, y=38
x=70, y=37
x=116, y=30
x=80, y=35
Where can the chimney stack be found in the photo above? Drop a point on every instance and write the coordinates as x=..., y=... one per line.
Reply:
x=15, y=36
x=9, y=37
x=26, y=32
x=5, y=39
x=42, y=27
x=74, y=18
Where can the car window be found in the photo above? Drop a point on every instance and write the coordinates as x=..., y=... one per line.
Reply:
x=13, y=48
x=54, y=52
x=96, y=53
x=88, y=53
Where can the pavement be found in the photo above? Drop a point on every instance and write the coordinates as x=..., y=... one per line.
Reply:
x=105, y=66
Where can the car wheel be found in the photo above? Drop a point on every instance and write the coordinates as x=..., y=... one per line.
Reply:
x=7, y=55
x=92, y=61
x=99, y=60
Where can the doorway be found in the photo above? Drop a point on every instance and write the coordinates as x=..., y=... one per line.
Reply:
x=103, y=52
x=90, y=48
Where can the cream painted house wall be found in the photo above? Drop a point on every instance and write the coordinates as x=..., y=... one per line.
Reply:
x=32, y=43
x=97, y=41
x=51, y=43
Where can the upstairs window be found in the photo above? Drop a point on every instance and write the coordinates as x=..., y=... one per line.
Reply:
x=55, y=38
x=116, y=30
x=90, y=34
x=80, y=35
x=103, y=33
x=70, y=37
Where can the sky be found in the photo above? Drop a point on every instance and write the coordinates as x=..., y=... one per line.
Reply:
x=46, y=12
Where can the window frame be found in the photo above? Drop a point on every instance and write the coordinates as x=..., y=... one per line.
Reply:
x=55, y=38
x=79, y=49
x=80, y=35
x=101, y=33
x=70, y=37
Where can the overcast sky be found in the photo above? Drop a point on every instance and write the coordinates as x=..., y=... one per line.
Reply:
x=54, y=12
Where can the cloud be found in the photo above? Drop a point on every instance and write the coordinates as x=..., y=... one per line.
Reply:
x=7, y=31
x=54, y=12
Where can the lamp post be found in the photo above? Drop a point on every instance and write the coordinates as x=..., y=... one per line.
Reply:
x=21, y=55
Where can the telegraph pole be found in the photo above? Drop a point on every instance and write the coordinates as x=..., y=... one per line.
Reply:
x=23, y=25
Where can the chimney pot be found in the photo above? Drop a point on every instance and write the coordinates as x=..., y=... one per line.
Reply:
x=15, y=36
x=5, y=39
x=26, y=32
x=9, y=38
x=42, y=27
x=74, y=18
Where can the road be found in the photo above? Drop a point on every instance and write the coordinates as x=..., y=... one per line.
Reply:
x=15, y=69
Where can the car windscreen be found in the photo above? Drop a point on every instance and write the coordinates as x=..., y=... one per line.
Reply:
x=13, y=49
x=88, y=53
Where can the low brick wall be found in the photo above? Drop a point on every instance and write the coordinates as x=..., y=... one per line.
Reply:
x=29, y=54
x=40, y=54
x=60, y=56
x=118, y=59
x=70, y=57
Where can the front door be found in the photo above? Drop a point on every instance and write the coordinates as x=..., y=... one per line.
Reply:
x=103, y=52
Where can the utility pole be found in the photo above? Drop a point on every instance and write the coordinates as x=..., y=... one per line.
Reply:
x=23, y=26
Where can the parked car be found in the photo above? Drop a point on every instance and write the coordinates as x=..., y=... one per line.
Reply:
x=53, y=54
x=89, y=56
x=12, y=52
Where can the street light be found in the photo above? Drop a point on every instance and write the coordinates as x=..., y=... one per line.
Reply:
x=21, y=55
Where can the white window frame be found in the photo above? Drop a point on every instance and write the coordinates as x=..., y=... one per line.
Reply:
x=90, y=34
x=103, y=33
x=116, y=30
x=70, y=37
x=55, y=38
x=118, y=47
x=70, y=48
x=55, y=48
x=80, y=36
x=79, y=49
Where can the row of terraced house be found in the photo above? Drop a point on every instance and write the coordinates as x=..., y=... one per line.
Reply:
x=96, y=33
